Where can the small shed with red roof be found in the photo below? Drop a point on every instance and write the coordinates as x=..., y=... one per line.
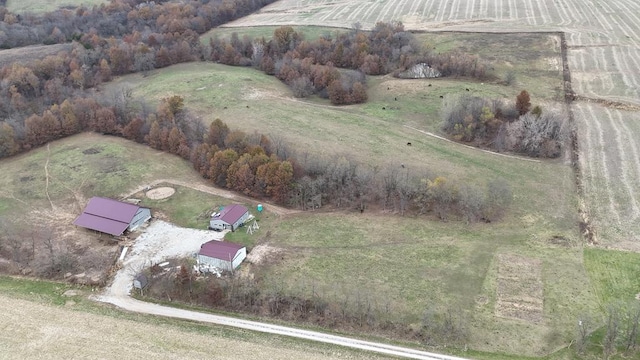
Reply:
x=221, y=255
x=231, y=217
x=111, y=216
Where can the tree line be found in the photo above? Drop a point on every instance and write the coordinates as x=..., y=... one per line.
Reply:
x=311, y=67
x=505, y=126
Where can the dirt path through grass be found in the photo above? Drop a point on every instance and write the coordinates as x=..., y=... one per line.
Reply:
x=279, y=210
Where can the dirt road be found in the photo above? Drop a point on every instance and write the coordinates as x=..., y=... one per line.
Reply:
x=201, y=186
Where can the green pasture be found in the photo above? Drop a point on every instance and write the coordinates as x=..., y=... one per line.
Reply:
x=39, y=6
x=80, y=167
x=377, y=138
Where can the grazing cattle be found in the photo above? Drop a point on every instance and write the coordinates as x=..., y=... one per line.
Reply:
x=388, y=88
x=402, y=166
x=384, y=108
x=247, y=106
x=429, y=85
x=225, y=108
x=396, y=99
x=408, y=144
x=441, y=97
x=467, y=89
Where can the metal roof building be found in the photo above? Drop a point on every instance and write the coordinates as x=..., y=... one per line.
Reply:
x=231, y=217
x=221, y=255
x=111, y=216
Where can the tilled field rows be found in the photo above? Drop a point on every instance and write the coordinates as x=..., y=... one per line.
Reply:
x=603, y=36
x=610, y=162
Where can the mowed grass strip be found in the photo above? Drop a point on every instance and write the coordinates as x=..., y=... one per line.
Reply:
x=40, y=6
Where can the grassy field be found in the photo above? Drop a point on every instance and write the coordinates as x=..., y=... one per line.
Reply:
x=39, y=6
x=80, y=167
x=412, y=264
x=43, y=321
x=192, y=208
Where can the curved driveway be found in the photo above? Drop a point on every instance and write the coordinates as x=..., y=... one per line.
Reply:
x=128, y=303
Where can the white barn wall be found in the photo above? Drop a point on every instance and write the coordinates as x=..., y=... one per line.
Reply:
x=139, y=218
x=224, y=264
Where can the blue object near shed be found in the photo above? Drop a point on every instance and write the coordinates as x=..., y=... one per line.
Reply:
x=259, y=207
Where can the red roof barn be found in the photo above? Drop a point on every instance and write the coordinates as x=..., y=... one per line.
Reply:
x=112, y=216
x=221, y=255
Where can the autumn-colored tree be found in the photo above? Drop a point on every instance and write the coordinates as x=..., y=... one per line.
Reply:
x=8, y=145
x=104, y=70
x=200, y=160
x=276, y=178
x=51, y=124
x=153, y=138
x=337, y=93
x=220, y=164
x=34, y=131
x=23, y=78
x=236, y=140
x=218, y=132
x=175, y=104
x=240, y=177
x=68, y=118
x=285, y=38
x=175, y=139
x=121, y=58
x=105, y=121
x=523, y=102
x=133, y=130
x=358, y=93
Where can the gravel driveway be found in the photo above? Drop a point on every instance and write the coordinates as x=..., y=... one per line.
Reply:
x=160, y=241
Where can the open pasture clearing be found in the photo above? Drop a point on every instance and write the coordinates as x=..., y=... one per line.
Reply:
x=309, y=32
x=402, y=267
x=30, y=53
x=43, y=324
x=41, y=6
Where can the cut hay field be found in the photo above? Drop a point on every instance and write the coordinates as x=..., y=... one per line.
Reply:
x=41, y=6
x=38, y=320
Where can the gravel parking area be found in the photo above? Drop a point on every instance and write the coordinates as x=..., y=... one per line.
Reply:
x=160, y=241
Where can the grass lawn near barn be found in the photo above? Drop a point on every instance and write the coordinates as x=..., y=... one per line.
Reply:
x=41, y=6
x=405, y=266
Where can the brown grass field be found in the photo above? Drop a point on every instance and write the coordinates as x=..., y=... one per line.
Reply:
x=40, y=6
x=31, y=53
x=35, y=330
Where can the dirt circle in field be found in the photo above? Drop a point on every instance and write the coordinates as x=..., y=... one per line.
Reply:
x=160, y=193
